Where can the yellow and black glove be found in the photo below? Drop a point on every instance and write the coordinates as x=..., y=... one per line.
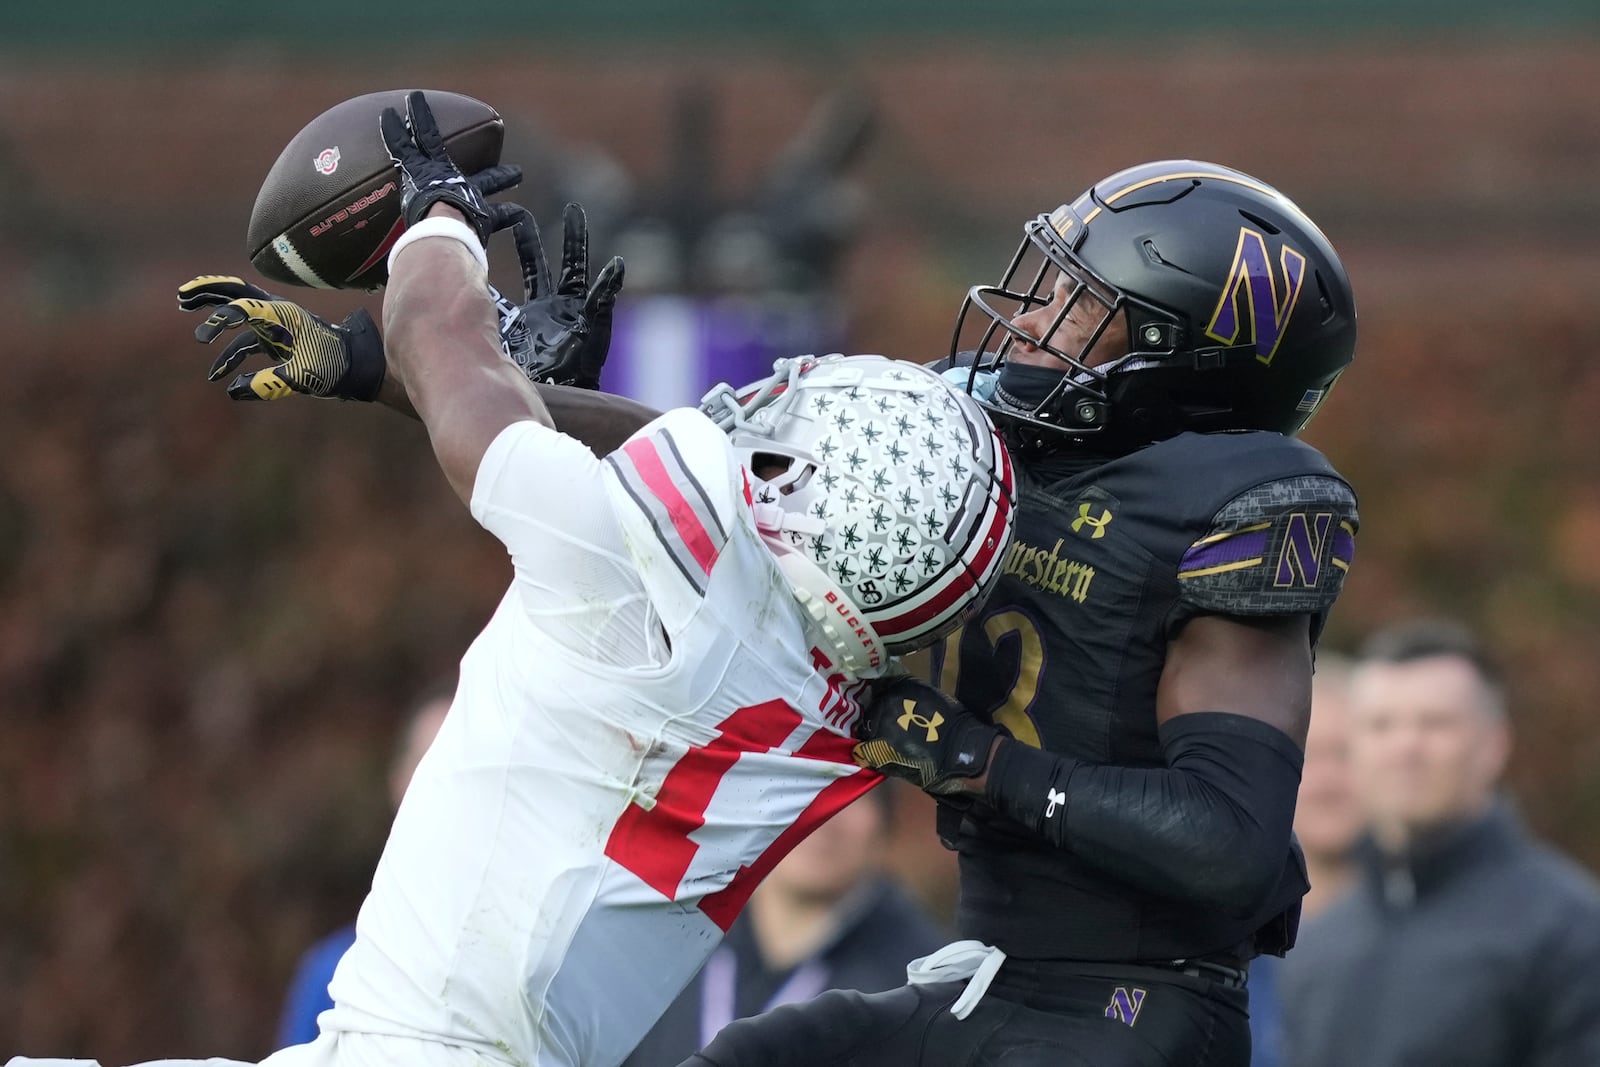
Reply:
x=312, y=356
x=910, y=730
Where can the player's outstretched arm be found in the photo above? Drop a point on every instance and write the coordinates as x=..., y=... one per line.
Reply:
x=603, y=421
x=315, y=358
x=445, y=349
x=441, y=325
x=444, y=346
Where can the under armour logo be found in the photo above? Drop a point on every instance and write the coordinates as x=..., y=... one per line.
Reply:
x=1097, y=523
x=911, y=717
x=1056, y=798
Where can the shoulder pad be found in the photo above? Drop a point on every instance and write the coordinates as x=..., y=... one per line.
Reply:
x=1280, y=548
x=679, y=493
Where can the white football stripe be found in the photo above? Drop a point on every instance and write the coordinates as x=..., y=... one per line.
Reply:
x=296, y=263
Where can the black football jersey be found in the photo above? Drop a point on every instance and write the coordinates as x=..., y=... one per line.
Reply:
x=1108, y=562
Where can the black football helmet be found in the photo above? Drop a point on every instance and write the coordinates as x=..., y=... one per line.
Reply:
x=1239, y=313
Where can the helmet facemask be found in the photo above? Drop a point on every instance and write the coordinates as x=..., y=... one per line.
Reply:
x=1069, y=394
x=1078, y=401
x=1238, y=313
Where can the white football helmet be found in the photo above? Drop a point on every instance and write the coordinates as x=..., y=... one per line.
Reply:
x=894, y=515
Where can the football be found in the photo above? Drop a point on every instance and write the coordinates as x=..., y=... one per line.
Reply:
x=330, y=207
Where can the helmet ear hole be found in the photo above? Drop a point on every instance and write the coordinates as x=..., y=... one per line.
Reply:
x=781, y=469
x=768, y=465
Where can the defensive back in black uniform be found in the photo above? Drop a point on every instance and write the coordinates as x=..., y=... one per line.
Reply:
x=1119, y=763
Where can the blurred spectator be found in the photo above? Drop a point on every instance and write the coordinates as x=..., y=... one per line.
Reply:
x=825, y=918
x=1327, y=821
x=1463, y=942
x=308, y=989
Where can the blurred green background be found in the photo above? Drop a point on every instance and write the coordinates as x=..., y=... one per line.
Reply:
x=211, y=615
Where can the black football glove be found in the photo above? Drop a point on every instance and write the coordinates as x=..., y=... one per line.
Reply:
x=911, y=730
x=312, y=356
x=559, y=335
x=496, y=179
x=428, y=176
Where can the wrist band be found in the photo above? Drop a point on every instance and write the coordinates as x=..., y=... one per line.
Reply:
x=454, y=229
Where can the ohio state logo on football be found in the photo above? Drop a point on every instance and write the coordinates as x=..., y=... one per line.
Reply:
x=327, y=160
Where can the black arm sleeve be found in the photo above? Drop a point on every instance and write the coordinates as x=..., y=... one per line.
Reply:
x=1211, y=827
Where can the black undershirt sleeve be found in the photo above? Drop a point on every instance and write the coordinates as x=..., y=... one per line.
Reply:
x=1211, y=827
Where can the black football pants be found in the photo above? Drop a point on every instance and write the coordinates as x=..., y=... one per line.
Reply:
x=1092, y=1016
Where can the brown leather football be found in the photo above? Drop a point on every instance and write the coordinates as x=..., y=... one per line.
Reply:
x=330, y=207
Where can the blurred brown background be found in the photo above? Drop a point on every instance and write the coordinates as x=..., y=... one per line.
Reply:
x=211, y=615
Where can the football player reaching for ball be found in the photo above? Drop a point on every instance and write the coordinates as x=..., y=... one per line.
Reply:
x=1125, y=844
x=558, y=336
x=663, y=702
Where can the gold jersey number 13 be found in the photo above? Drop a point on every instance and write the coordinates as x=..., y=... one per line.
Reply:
x=1013, y=711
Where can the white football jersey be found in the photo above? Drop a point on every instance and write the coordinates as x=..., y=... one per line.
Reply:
x=641, y=731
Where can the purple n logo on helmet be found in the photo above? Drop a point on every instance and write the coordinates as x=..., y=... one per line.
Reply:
x=1250, y=297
